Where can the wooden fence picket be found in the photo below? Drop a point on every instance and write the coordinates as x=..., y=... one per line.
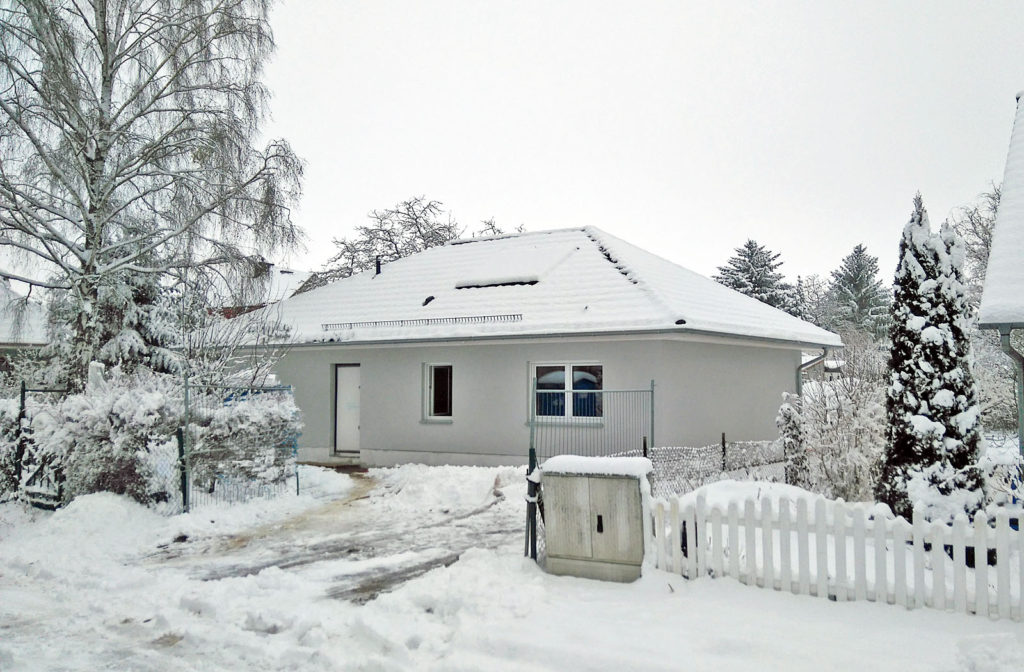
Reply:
x=716, y=541
x=1003, y=563
x=839, y=537
x=821, y=546
x=860, y=567
x=881, y=583
x=767, y=547
x=960, y=563
x=936, y=530
x=702, y=535
x=749, y=521
x=690, y=515
x=918, y=551
x=676, y=538
x=901, y=595
x=785, y=539
x=734, y=540
x=659, y=537
x=803, y=553
x=981, y=564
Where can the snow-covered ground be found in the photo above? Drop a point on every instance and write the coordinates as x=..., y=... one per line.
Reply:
x=414, y=568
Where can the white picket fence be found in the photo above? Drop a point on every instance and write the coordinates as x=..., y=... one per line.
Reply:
x=846, y=552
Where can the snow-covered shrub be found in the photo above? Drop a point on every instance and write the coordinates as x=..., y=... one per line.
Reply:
x=843, y=422
x=244, y=434
x=101, y=437
x=8, y=445
x=791, y=434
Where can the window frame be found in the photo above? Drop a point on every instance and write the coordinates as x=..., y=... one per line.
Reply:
x=428, y=414
x=568, y=392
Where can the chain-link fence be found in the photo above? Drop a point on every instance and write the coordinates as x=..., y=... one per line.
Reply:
x=678, y=470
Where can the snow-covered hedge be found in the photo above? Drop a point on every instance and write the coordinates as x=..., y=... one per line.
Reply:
x=101, y=437
x=118, y=436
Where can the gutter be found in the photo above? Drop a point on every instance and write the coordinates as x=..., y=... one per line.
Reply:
x=1018, y=360
x=707, y=333
x=804, y=367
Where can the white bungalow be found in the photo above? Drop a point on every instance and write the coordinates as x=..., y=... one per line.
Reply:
x=433, y=358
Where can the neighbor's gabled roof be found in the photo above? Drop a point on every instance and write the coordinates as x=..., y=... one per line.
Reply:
x=569, y=281
x=1002, y=300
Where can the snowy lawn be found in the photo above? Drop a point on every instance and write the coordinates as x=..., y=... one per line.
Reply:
x=103, y=585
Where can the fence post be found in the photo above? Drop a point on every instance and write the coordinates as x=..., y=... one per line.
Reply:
x=531, y=485
x=652, y=414
x=182, y=468
x=19, y=451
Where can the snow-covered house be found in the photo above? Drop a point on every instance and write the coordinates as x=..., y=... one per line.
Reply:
x=432, y=360
x=273, y=283
x=1002, y=300
x=22, y=323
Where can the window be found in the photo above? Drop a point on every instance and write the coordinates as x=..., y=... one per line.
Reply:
x=569, y=390
x=438, y=392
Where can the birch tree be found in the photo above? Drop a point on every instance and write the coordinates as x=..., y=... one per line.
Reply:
x=128, y=157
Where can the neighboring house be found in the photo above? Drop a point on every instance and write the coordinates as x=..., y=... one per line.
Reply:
x=22, y=324
x=273, y=284
x=432, y=360
x=1002, y=300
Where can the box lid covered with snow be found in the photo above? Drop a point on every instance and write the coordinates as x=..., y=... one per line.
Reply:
x=594, y=515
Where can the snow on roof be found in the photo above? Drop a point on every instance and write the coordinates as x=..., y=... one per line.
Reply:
x=567, y=281
x=20, y=323
x=1002, y=300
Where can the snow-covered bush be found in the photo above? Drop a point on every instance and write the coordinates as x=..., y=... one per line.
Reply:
x=245, y=435
x=8, y=445
x=791, y=434
x=843, y=422
x=101, y=437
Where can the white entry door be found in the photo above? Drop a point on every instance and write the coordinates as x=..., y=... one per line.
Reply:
x=346, y=409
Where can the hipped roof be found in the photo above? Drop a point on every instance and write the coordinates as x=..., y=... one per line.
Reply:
x=562, y=282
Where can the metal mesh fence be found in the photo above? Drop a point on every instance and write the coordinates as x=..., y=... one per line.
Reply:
x=592, y=423
x=240, y=443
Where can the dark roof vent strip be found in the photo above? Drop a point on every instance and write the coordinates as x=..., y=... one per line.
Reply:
x=511, y=283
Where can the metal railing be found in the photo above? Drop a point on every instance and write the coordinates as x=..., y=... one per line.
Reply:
x=591, y=422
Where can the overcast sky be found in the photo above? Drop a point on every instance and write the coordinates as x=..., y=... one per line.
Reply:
x=682, y=127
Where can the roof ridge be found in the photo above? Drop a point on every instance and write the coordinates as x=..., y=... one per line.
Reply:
x=596, y=235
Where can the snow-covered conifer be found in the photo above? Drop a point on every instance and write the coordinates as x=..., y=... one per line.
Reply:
x=933, y=434
x=861, y=300
x=754, y=271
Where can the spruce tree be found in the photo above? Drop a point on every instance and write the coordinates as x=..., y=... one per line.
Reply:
x=933, y=434
x=753, y=271
x=861, y=300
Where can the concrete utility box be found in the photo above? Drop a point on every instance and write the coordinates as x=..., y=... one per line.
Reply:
x=594, y=516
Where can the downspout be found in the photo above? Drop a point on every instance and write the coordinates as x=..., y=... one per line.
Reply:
x=1018, y=360
x=803, y=367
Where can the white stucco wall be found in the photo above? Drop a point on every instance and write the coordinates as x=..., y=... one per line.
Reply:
x=702, y=390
